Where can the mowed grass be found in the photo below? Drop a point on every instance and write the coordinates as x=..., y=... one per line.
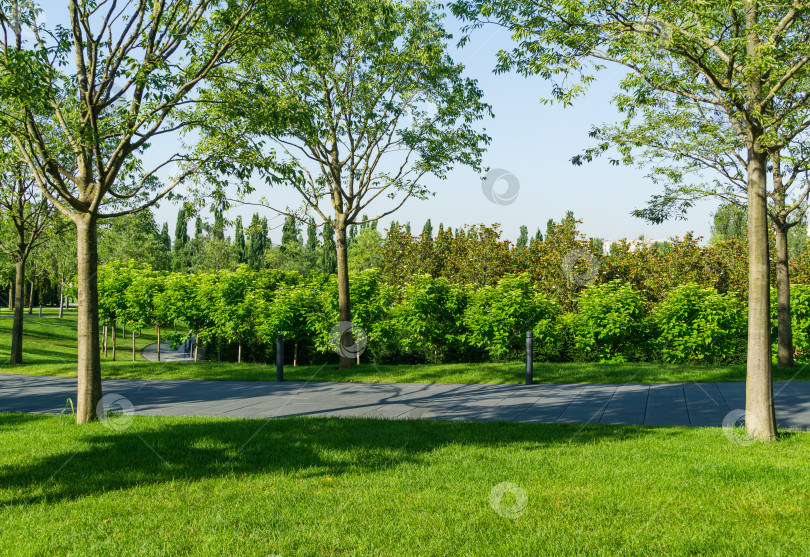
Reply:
x=50, y=349
x=312, y=486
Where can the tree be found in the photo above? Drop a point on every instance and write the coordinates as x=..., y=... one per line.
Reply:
x=328, y=250
x=218, y=228
x=164, y=237
x=289, y=232
x=427, y=232
x=255, y=244
x=58, y=254
x=355, y=97
x=23, y=227
x=181, y=231
x=239, y=241
x=198, y=227
x=498, y=318
x=729, y=222
x=745, y=61
x=83, y=135
x=365, y=252
x=430, y=314
x=685, y=145
x=133, y=237
x=312, y=235
x=523, y=239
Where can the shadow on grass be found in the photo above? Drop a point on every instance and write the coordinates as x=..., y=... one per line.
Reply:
x=157, y=450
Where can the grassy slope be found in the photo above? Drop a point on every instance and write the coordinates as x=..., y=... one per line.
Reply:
x=50, y=349
x=377, y=487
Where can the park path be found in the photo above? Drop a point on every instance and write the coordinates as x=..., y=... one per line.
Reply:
x=664, y=404
x=183, y=353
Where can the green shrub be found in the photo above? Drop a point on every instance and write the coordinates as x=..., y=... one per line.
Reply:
x=610, y=325
x=698, y=325
x=498, y=317
x=429, y=318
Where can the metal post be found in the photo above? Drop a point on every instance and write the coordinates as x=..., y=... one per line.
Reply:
x=280, y=357
x=529, y=357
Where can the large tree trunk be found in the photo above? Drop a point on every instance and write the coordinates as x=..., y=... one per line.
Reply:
x=785, y=351
x=760, y=416
x=344, y=307
x=17, y=325
x=89, y=367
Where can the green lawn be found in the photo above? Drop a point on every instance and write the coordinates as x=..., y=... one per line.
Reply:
x=50, y=349
x=205, y=486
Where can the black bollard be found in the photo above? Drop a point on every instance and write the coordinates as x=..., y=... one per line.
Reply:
x=280, y=357
x=529, y=357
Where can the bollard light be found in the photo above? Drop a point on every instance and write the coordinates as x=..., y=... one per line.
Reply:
x=529, y=357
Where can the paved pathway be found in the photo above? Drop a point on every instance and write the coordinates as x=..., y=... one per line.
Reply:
x=695, y=404
x=183, y=353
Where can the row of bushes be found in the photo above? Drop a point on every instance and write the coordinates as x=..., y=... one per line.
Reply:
x=431, y=319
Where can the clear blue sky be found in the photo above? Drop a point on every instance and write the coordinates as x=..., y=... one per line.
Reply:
x=534, y=142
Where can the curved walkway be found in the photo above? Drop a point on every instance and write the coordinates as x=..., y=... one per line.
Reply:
x=671, y=404
x=183, y=353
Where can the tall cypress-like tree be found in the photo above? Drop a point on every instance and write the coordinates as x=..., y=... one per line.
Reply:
x=181, y=238
x=164, y=236
x=198, y=227
x=329, y=250
x=265, y=231
x=218, y=230
x=523, y=239
x=181, y=230
x=255, y=245
x=427, y=231
x=239, y=240
x=312, y=235
x=289, y=232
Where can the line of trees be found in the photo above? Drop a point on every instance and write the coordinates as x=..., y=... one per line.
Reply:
x=235, y=315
